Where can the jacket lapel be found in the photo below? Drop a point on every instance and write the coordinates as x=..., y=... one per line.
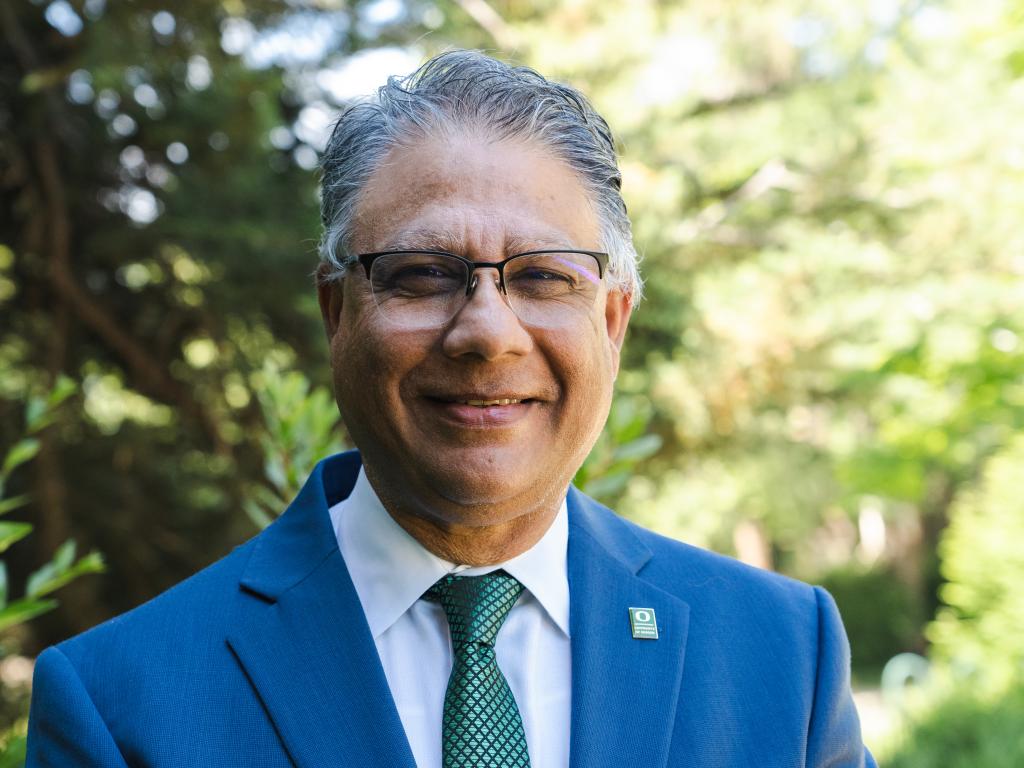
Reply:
x=625, y=690
x=302, y=639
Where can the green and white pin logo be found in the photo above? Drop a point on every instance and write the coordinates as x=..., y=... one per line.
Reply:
x=643, y=623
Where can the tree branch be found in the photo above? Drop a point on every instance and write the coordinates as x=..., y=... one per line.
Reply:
x=490, y=21
x=774, y=91
x=151, y=374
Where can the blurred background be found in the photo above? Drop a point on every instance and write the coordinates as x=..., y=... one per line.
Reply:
x=826, y=376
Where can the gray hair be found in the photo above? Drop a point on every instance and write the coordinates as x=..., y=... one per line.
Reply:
x=463, y=89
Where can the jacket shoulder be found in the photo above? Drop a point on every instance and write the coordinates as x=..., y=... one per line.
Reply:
x=720, y=589
x=674, y=559
x=176, y=619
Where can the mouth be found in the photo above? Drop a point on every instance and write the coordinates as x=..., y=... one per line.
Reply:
x=479, y=409
x=482, y=398
x=495, y=401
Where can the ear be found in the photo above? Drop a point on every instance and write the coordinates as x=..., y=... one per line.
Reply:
x=617, y=309
x=330, y=294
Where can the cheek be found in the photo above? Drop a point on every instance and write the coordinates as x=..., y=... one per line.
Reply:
x=371, y=365
x=603, y=358
x=356, y=365
x=587, y=370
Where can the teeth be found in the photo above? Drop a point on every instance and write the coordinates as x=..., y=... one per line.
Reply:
x=485, y=403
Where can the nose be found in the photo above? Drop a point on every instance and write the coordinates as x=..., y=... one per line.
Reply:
x=485, y=326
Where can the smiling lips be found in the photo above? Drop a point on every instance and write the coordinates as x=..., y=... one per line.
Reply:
x=475, y=412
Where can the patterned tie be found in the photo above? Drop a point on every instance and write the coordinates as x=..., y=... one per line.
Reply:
x=482, y=727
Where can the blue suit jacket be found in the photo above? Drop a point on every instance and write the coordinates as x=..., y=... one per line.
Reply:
x=265, y=659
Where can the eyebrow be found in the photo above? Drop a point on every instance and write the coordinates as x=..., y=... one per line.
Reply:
x=431, y=239
x=518, y=244
x=447, y=240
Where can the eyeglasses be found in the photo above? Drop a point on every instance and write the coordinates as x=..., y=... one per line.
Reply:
x=425, y=289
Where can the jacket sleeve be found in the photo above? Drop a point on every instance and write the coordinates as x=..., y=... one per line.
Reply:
x=65, y=730
x=833, y=738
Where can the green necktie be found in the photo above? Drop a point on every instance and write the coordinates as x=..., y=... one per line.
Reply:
x=481, y=727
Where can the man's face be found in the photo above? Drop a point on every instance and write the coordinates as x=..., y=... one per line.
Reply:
x=403, y=392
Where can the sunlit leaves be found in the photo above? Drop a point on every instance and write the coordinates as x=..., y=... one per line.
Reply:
x=63, y=568
x=18, y=454
x=12, y=532
x=984, y=564
x=301, y=426
x=622, y=446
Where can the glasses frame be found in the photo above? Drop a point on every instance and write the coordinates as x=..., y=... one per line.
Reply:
x=367, y=259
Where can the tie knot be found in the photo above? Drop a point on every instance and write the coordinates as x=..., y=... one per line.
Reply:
x=476, y=606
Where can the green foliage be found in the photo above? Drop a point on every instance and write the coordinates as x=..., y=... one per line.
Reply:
x=301, y=426
x=976, y=635
x=12, y=532
x=157, y=246
x=623, y=446
x=62, y=569
x=881, y=614
x=39, y=414
x=13, y=753
x=967, y=731
x=979, y=629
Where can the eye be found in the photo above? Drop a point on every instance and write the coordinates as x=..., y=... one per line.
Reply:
x=553, y=274
x=536, y=272
x=428, y=271
x=417, y=274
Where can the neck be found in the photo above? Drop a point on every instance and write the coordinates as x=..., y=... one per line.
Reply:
x=473, y=545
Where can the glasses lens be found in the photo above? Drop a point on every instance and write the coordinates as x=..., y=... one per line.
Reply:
x=552, y=289
x=418, y=290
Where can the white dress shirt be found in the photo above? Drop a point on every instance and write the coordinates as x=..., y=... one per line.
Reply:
x=391, y=571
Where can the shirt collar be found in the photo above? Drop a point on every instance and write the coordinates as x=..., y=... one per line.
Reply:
x=391, y=570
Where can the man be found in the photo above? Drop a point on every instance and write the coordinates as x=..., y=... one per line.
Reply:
x=443, y=596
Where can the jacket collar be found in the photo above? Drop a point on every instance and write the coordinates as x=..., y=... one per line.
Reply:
x=294, y=544
x=299, y=540
x=301, y=637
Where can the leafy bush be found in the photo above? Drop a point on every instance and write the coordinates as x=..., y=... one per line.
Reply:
x=62, y=569
x=980, y=629
x=623, y=445
x=967, y=731
x=977, y=634
x=302, y=426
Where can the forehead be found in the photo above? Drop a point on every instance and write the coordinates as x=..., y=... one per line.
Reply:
x=474, y=196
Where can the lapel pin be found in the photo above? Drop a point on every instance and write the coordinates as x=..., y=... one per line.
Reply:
x=643, y=623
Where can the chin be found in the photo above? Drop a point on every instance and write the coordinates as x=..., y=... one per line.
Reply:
x=487, y=493
x=476, y=492
x=482, y=499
